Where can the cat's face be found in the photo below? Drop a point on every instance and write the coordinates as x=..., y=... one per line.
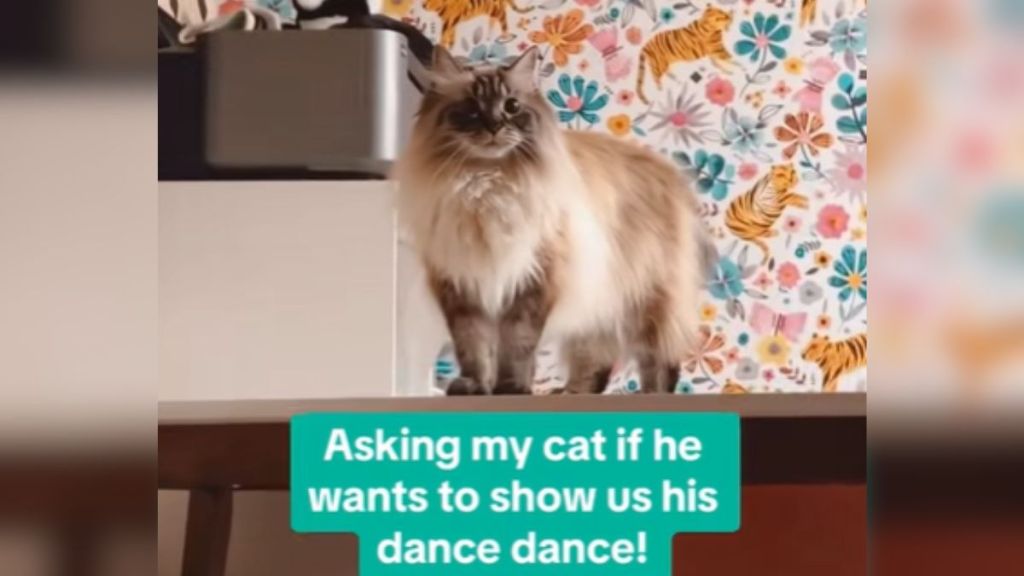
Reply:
x=783, y=177
x=487, y=113
x=718, y=19
x=816, y=348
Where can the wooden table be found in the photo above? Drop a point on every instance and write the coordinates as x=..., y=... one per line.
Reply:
x=803, y=471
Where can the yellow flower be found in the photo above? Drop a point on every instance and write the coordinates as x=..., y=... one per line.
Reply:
x=773, y=350
x=857, y=234
x=822, y=259
x=397, y=8
x=793, y=65
x=708, y=312
x=864, y=213
x=619, y=124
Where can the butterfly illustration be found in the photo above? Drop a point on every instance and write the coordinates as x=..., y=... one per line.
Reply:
x=823, y=70
x=616, y=66
x=766, y=321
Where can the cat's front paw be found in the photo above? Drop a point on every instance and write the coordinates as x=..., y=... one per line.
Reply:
x=509, y=387
x=463, y=386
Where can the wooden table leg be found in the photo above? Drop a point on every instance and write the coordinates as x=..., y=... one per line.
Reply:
x=207, y=532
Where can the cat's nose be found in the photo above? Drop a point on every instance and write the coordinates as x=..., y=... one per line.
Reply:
x=490, y=124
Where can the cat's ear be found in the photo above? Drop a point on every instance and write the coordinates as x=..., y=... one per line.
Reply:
x=445, y=65
x=522, y=74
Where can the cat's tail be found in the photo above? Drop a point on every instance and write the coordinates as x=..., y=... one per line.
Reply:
x=517, y=8
x=808, y=9
x=640, y=73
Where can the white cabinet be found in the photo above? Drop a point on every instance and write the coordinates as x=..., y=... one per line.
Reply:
x=277, y=289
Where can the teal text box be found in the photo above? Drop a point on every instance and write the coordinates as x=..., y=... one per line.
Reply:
x=551, y=498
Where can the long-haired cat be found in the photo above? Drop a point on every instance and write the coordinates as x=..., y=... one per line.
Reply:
x=527, y=230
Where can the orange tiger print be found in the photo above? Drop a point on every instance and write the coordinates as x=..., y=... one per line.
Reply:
x=454, y=12
x=734, y=387
x=700, y=38
x=751, y=216
x=836, y=358
x=808, y=11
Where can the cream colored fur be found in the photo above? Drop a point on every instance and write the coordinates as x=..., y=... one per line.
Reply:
x=596, y=196
x=620, y=219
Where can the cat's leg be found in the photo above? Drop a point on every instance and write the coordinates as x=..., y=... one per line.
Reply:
x=502, y=20
x=797, y=201
x=657, y=341
x=520, y=327
x=763, y=247
x=656, y=375
x=830, y=380
x=448, y=34
x=590, y=360
x=475, y=338
x=723, y=61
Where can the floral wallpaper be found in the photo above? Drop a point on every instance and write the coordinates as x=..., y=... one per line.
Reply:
x=786, y=308
x=795, y=94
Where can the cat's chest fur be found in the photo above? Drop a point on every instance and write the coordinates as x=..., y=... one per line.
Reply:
x=486, y=233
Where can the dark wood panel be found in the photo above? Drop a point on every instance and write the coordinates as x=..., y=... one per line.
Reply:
x=207, y=532
x=800, y=530
x=255, y=456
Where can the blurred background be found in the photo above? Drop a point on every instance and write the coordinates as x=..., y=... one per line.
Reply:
x=947, y=320
x=77, y=287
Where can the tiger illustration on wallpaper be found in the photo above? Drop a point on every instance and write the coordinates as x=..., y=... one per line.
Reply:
x=699, y=39
x=836, y=358
x=454, y=12
x=752, y=215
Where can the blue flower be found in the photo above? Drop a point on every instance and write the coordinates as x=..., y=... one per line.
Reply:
x=745, y=135
x=666, y=15
x=577, y=98
x=851, y=274
x=284, y=8
x=743, y=339
x=764, y=34
x=710, y=171
x=684, y=387
x=727, y=281
x=849, y=36
x=488, y=53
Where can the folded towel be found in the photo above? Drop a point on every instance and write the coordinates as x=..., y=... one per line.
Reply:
x=248, y=18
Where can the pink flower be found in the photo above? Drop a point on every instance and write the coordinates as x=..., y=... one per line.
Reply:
x=574, y=103
x=781, y=89
x=850, y=173
x=634, y=36
x=588, y=3
x=763, y=281
x=832, y=221
x=720, y=91
x=624, y=98
x=748, y=170
x=791, y=224
x=732, y=355
x=769, y=375
x=789, y=275
x=230, y=6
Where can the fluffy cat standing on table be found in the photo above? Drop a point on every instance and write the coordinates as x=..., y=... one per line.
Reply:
x=526, y=231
